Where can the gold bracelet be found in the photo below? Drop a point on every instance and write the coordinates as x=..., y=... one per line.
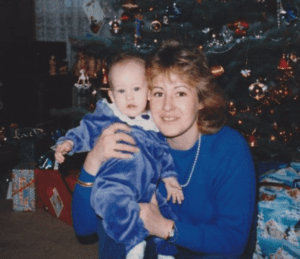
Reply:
x=84, y=184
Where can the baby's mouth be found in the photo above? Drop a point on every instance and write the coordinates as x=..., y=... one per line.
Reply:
x=130, y=106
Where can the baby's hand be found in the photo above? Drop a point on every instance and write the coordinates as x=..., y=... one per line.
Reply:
x=174, y=189
x=63, y=149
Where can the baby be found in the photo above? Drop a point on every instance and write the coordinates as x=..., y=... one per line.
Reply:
x=123, y=183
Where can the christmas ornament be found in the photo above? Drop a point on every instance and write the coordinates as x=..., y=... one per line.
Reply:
x=52, y=65
x=130, y=5
x=81, y=60
x=239, y=26
x=151, y=9
x=155, y=25
x=217, y=71
x=283, y=63
x=245, y=73
x=127, y=16
x=232, y=109
x=94, y=13
x=95, y=27
x=290, y=15
x=175, y=12
x=91, y=67
x=115, y=26
x=83, y=80
x=252, y=141
x=104, y=84
x=166, y=16
x=293, y=57
x=258, y=90
x=138, y=24
x=273, y=138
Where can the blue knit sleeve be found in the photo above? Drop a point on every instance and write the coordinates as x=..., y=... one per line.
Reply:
x=84, y=217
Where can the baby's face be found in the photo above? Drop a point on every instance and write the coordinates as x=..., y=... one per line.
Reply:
x=129, y=88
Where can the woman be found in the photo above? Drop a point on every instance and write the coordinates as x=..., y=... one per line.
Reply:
x=213, y=161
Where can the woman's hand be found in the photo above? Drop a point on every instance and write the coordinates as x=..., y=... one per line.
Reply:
x=154, y=222
x=107, y=147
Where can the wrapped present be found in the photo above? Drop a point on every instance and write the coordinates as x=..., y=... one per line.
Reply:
x=71, y=179
x=23, y=187
x=53, y=194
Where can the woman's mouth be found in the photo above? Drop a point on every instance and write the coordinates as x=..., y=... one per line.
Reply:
x=168, y=119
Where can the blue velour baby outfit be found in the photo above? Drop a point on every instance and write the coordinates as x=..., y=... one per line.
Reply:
x=123, y=183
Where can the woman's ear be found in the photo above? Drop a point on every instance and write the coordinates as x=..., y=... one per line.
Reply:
x=111, y=96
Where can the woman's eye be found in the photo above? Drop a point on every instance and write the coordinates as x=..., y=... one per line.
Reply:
x=181, y=94
x=136, y=89
x=158, y=94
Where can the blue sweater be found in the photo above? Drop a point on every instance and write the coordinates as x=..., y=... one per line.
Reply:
x=218, y=214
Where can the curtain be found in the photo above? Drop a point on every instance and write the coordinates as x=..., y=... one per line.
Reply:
x=58, y=19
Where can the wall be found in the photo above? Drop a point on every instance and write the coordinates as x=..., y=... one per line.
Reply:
x=17, y=20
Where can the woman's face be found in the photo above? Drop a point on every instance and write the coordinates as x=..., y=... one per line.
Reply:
x=174, y=106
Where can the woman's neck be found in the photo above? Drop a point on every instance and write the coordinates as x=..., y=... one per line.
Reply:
x=184, y=142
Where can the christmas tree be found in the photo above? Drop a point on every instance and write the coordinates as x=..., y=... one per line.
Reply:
x=252, y=48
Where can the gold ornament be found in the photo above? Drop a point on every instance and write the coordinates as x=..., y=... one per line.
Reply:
x=232, y=109
x=257, y=90
x=155, y=25
x=217, y=71
x=130, y=5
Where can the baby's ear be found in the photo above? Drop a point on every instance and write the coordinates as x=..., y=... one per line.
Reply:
x=111, y=96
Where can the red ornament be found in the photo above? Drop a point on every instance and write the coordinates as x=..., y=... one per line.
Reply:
x=252, y=141
x=239, y=26
x=127, y=16
x=283, y=63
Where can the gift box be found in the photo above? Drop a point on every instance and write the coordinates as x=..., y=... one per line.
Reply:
x=53, y=194
x=23, y=187
x=71, y=179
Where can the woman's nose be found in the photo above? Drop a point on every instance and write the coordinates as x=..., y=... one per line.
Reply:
x=168, y=103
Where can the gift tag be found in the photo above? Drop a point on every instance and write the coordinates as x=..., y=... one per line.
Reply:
x=93, y=10
x=9, y=191
x=56, y=202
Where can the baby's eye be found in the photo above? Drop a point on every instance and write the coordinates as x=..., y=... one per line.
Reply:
x=121, y=91
x=136, y=89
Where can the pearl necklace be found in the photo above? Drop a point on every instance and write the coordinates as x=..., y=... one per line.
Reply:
x=195, y=162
